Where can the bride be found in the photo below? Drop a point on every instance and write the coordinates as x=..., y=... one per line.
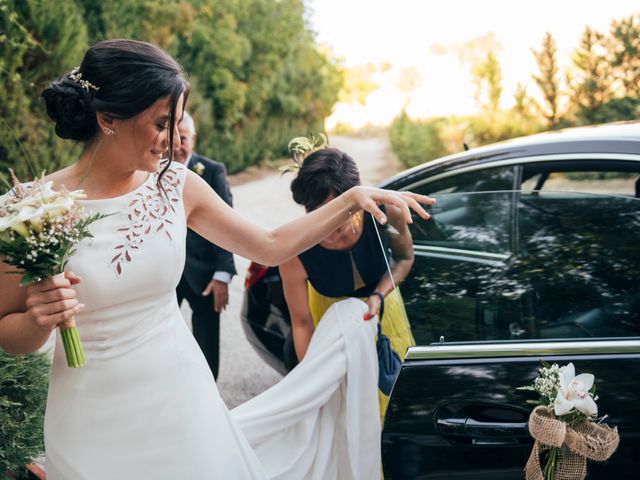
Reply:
x=146, y=404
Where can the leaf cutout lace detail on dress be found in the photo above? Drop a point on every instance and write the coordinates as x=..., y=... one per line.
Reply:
x=148, y=213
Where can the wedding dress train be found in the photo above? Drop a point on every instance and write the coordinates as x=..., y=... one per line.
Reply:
x=322, y=420
x=146, y=404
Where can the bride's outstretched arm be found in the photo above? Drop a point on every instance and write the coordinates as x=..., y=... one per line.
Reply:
x=212, y=218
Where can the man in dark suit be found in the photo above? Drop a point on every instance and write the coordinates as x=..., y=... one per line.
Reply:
x=208, y=268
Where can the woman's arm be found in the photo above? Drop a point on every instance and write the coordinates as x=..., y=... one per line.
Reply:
x=213, y=219
x=401, y=245
x=294, y=282
x=28, y=315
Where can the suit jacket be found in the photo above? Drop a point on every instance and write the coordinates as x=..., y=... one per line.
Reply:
x=203, y=257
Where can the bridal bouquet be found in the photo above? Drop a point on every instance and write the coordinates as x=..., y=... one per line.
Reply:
x=39, y=230
x=564, y=425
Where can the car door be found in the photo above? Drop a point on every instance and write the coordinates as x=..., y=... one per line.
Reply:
x=566, y=292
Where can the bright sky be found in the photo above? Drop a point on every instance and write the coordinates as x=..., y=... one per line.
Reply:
x=402, y=32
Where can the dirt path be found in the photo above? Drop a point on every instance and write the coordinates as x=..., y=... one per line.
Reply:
x=263, y=196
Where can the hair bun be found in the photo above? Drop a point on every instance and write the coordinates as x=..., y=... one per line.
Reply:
x=69, y=105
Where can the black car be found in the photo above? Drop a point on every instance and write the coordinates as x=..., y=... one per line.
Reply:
x=532, y=254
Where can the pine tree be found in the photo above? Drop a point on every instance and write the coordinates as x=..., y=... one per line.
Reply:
x=548, y=80
x=591, y=85
x=624, y=48
x=487, y=76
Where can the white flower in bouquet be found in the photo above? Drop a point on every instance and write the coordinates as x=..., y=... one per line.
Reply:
x=574, y=392
x=547, y=382
x=19, y=221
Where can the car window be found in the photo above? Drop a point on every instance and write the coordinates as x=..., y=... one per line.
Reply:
x=573, y=272
x=468, y=220
x=484, y=180
x=579, y=260
x=589, y=176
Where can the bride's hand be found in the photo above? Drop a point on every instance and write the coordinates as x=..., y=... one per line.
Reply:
x=369, y=199
x=52, y=301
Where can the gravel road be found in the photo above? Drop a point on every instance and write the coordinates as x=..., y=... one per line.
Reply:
x=266, y=200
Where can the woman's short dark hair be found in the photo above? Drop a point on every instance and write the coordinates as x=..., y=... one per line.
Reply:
x=129, y=75
x=328, y=171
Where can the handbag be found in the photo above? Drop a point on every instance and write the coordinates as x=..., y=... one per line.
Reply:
x=389, y=363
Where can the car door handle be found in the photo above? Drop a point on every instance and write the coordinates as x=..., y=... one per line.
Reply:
x=471, y=427
x=496, y=433
x=484, y=424
x=476, y=427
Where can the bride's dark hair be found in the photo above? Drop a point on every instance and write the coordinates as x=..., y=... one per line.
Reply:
x=118, y=77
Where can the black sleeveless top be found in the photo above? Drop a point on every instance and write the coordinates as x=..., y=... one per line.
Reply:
x=331, y=271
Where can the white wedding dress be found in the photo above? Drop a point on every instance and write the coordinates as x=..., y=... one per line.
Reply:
x=146, y=405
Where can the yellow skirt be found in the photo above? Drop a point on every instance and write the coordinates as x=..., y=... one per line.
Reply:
x=394, y=325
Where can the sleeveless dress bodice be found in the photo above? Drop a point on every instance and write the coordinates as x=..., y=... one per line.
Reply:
x=131, y=266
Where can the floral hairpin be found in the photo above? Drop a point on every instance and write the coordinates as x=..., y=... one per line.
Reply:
x=302, y=147
x=76, y=76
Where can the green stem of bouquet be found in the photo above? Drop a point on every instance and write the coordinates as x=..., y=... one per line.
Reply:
x=72, y=347
x=550, y=467
x=70, y=338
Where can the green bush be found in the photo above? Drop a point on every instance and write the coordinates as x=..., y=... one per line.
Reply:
x=416, y=141
x=23, y=394
x=483, y=129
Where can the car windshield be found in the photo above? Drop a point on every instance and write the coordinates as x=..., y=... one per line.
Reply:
x=512, y=265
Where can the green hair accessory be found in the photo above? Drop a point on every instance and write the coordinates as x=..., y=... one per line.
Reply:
x=302, y=147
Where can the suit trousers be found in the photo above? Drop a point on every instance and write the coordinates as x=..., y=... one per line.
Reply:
x=205, y=321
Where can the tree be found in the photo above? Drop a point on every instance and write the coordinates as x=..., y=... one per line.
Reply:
x=523, y=114
x=408, y=80
x=487, y=76
x=38, y=42
x=480, y=55
x=473, y=51
x=257, y=76
x=625, y=54
x=548, y=80
x=591, y=85
x=522, y=105
x=359, y=82
x=158, y=22
x=263, y=77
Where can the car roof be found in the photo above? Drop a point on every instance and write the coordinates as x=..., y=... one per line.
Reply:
x=614, y=138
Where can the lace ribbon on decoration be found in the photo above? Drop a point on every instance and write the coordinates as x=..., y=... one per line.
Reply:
x=149, y=212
